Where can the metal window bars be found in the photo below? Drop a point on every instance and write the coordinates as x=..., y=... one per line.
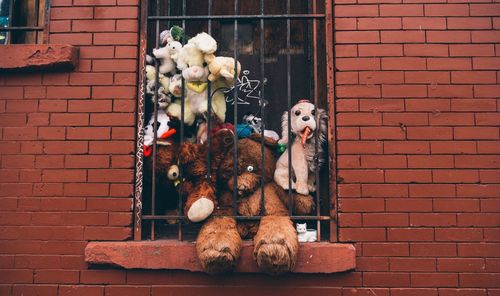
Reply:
x=320, y=27
x=24, y=21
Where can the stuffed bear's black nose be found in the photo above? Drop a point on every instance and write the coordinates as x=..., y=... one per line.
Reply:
x=305, y=118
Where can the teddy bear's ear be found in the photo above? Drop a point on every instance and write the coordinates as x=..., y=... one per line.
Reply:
x=222, y=140
x=188, y=153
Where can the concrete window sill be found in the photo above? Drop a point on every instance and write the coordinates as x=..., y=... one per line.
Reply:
x=168, y=254
x=46, y=57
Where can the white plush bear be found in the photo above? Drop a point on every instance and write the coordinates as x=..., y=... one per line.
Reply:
x=193, y=53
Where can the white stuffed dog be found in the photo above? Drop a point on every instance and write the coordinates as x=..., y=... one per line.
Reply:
x=306, y=121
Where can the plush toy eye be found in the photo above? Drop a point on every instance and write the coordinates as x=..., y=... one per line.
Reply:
x=297, y=113
x=313, y=112
x=205, y=64
x=249, y=168
x=173, y=173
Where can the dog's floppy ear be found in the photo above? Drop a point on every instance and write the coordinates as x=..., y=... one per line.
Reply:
x=284, y=128
x=322, y=120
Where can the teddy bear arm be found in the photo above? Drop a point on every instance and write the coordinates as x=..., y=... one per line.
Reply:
x=273, y=204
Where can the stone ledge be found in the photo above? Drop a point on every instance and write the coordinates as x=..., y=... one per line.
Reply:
x=169, y=254
x=21, y=57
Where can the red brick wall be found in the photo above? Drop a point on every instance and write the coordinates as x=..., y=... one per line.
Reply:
x=417, y=142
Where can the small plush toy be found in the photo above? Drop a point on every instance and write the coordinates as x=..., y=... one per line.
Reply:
x=164, y=54
x=175, y=85
x=151, y=80
x=255, y=123
x=306, y=122
x=162, y=132
x=304, y=234
x=221, y=67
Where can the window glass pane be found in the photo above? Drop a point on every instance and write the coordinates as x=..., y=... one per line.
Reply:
x=4, y=19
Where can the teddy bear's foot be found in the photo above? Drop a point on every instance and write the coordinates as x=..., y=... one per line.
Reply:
x=200, y=210
x=218, y=245
x=276, y=245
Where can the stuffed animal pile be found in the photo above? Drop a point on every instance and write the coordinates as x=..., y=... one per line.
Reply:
x=189, y=68
x=208, y=193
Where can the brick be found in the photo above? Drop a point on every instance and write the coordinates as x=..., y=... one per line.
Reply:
x=448, y=36
x=451, y=119
x=427, y=77
x=455, y=176
x=90, y=106
x=345, y=24
x=488, y=147
x=430, y=161
x=110, y=65
x=367, y=176
x=362, y=234
x=116, y=12
x=446, y=91
x=461, y=292
x=52, y=105
x=451, y=147
x=478, y=190
x=424, y=23
x=107, y=233
x=406, y=147
x=488, y=119
x=350, y=91
x=71, y=13
x=435, y=105
x=383, y=161
x=486, y=91
x=111, y=147
x=71, y=38
x=458, y=234
x=67, y=119
x=401, y=10
x=356, y=10
x=385, y=219
x=386, y=249
x=478, y=220
x=446, y=10
x=432, y=219
x=478, y=249
x=62, y=204
x=408, y=176
x=374, y=50
x=486, y=64
x=484, y=9
x=91, y=78
x=434, y=249
x=87, y=161
x=397, y=91
x=402, y=36
x=88, y=133
x=97, y=52
x=385, y=190
x=110, y=175
x=126, y=52
x=484, y=36
x=414, y=292
x=381, y=105
x=408, y=205
x=473, y=133
x=476, y=161
x=80, y=290
x=56, y=276
x=469, y=23
x=357, y=37
x=434, y=279
x=125, y=79
x=115, y=92
x=79, y=189
x=386, y=279
x=115, y=38
x=472, y=50
x=127, y=26
x=430, y=133
x=15, y=276
x=403, y=63
x=412, y=264
x=63, y=92
x=362, y=205
x=430, y=50
x=386, y=23
x=93, y=26
x=94, y=2
x=380, y=77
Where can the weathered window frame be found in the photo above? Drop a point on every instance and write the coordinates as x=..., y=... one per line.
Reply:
x=327, y=17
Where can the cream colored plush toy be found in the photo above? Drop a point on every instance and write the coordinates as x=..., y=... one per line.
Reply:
x=221, y=67
x=193, y=53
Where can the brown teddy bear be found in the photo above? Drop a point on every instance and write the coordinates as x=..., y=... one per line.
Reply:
x=219, y=243
x=197, y=191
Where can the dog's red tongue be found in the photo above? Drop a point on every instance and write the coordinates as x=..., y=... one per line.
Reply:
x=305, y=134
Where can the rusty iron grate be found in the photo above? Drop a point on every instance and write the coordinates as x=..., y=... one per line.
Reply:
x=157, y=15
